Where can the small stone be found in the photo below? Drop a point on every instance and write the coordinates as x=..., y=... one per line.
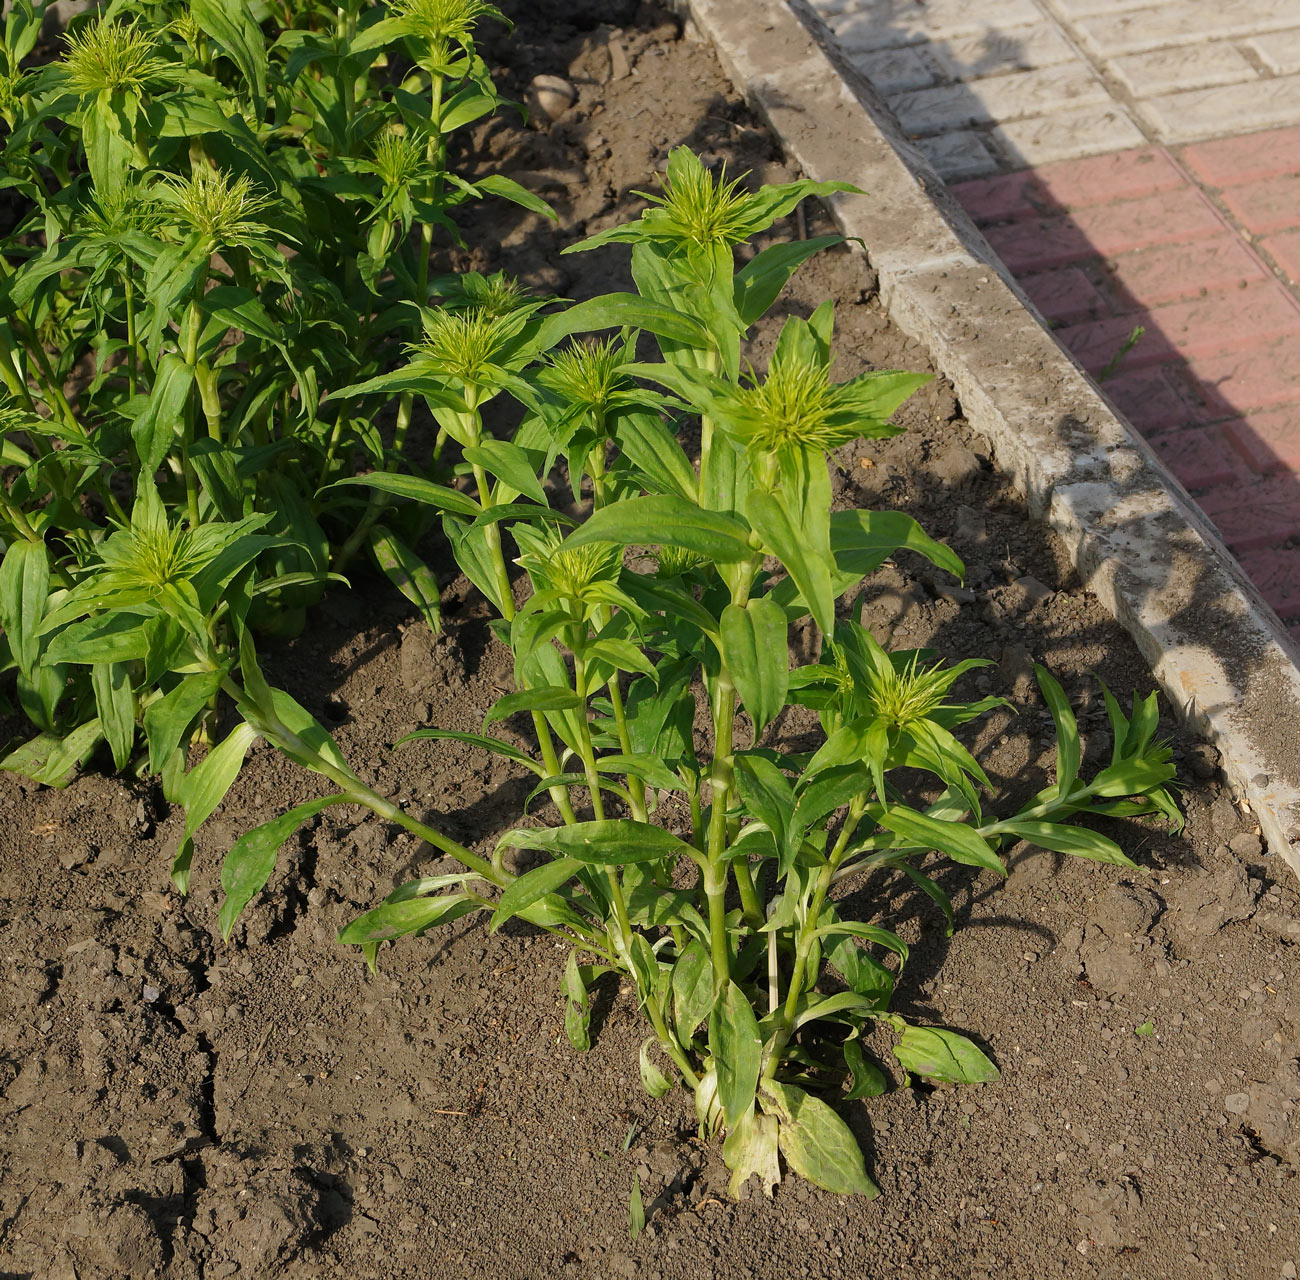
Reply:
x=1237, y=1103
x=1246, y=845
x=150, y=993
x=550, y=96
x=1288, y=1270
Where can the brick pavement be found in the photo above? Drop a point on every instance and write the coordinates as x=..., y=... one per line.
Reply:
x=1087, y=140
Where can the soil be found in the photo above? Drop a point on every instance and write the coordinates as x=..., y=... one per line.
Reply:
x=175, y=1106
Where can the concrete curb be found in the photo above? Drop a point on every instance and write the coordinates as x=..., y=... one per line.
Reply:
x=1137, y=539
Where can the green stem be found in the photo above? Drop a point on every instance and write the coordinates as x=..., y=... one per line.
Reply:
x=266, y=722
x=803, y=947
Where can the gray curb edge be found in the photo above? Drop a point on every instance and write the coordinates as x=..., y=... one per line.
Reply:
x=1136, y=538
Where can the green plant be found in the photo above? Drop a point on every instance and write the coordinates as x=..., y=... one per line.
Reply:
x=221, y=221
x=694, y=849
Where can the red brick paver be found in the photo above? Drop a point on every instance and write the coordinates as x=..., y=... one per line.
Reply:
x=1184, y=243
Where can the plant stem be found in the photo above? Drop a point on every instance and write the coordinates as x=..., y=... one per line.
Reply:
x=266, y=722
x=785, y=1027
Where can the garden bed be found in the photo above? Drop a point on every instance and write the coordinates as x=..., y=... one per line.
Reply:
x=181, y=1107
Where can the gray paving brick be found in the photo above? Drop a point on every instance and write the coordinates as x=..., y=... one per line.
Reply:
x=998, y=98
x=886, y=24
x=1234, y=108
x=1279, y=52
x=1185, y=22
x=1067, y=135
x=1186, y=67
x=899, y=70
x=994, y=53
x=960, y=154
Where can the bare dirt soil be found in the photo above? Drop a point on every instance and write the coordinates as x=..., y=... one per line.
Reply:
x=172, y=1106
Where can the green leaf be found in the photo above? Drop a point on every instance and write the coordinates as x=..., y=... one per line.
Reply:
x=155, y=427
x=663, y=520
x=319, y=746
x=111, y=637
x=612, y=842
x=943, y=1055
x=53, y=760
x=415, y=488
x=399, y=919
x=409, y=574
x=635, y=1209
x=235, y=31
x=655, y=1083
x=958, y=841
x=577, y=1006
x=497, y=184
x=479, y=740
x=649, y=769
x=204, y=788
x=251, y=859
x=811, y=575
x=539, y=698
x=115, y=705
x=167, y=720
x=469, y=545
x=1067, y=731
x=1078, y=841
x=756, y=648
x=24, y=589
x=862, y=541
x=618, y=311
x=692, y=988
x=868, y=1079
x=816, y=1143
x=767, y=793
x=868, y=932
x=761, y=280
x=532, y=887
x=510, y=464
x=653, y=450
x=1132, y=777
x=737, y=1051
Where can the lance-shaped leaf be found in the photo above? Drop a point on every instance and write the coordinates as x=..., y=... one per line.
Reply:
x=1078, y=841
x=810, y=573
x=612, y=842
x=862, y=541
x=816, y=1143
x=760, y=281
x=399, y=919
x=532, y=887
x=618, y=311
x=409, y=574
x=415, y=488
x=204, y=788
x=154, y=428
x=755, y=645
x=737, y=1051
x=1067, y=731
x=115, y=705
x=937, y=1054
x=663, y=520
x=538, y=698
x=24, y=588
x=251, y=859
x=955, y=839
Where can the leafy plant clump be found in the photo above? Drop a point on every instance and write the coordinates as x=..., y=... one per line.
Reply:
x=693, y=850
x=226, y=211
